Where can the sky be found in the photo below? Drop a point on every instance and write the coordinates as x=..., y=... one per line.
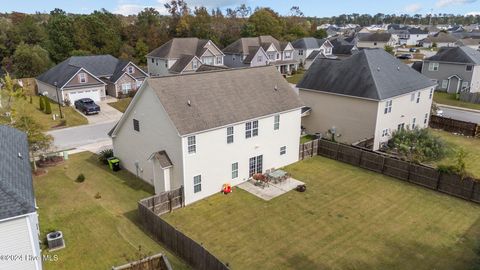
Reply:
x=318, y=8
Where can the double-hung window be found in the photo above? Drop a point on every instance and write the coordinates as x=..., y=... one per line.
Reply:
x=283, y=150
x=192, y=145
x=418, y=97
x=385, y=132
x=433, y=66
x=300, y=52
x=251, y=129
x=197, y=183
x=276, y=123
x=425, y=120
x=229, y=135
x=414, y=120
x=431, y=94
x=234, y=170
x=388, y=107
x=82, y=77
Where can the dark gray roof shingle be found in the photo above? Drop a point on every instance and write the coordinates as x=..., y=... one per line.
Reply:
x=16, y=186
x=380, y=37
x=176, y=47
x=308, y=43
x=219, y=98
x=370, y=73
x=463, y=54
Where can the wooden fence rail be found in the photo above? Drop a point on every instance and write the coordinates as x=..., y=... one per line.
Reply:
x=150, y=211
x=417, y=174
x=470, y=97
x=453, y=125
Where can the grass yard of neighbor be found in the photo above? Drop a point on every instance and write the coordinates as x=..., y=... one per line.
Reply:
x=348, y=218
x=297, y=77
x=72, y=117
x=470, y=145
x=121, y=104
x=307, y=138
x=450, y=99
x=98, y=233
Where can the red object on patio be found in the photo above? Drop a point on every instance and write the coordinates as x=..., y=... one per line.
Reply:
x=227, y=188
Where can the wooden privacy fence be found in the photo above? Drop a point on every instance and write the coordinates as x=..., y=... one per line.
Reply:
x=150, y=210
x=155, y=262
x=453, y=125
x=410, y=172
x=470, y=97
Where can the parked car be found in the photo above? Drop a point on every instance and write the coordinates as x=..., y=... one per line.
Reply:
x=405, y=56
x=87, y=106
x=413, y=50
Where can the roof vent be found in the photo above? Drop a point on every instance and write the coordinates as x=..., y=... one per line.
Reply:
x=20, y=155
x=398, y=68
x=276, y=87
x=189, y=103
x=378, y=68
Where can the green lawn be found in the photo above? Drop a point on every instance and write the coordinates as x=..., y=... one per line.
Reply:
x=297, y=77
x=349, y=218
x=98, y=232
x=72, y=117
x=470, y=145
x=306, y=138
x=121, y=104
x=449, y=99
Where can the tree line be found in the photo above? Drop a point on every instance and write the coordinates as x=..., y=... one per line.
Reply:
x=31, y=43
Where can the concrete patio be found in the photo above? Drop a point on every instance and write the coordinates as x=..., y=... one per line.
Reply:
x=272, y=190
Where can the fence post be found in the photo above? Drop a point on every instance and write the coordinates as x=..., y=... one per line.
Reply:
x=303, y=151
x=153, y=204
x=360, y=157
x=408, y=171
x=311, y=154
x=336, y=153
x=182, y=193
x=438, y=180
x=383, y=164
x=471, y=192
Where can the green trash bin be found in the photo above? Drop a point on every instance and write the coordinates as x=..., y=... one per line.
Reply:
x=114, y=164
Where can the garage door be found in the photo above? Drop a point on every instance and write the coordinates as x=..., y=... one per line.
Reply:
x=94, y=94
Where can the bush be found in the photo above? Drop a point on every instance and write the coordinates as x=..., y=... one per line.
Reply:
x=97, y=195
x=417, y=145
x=459, y=167
x=80, y=178
x=104, y=155
x=41, y=103
x=48, y=106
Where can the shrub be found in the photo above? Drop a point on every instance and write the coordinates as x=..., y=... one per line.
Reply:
x=104, y=155
x=132, y=93
x=67, y=102
x=458, y=167
x=80, y=178
x=417, y=145
x=48, y=106
x=41, y=104
x=97, y=195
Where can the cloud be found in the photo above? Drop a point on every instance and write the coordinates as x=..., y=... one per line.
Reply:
x=413, y=8
x=128, y=9
x=444, y=3
x=473, y=13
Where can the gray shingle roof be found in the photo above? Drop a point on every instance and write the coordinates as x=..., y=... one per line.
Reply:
x=181, y=63
x=98, y=65
x=163, y=159
x=177, y=47
x=463, y=54
x=370, y=73
x=380, y=37
x=16, y=186
x=441, y=37
x=308, y=43
x=219, y=98
x=241, y=46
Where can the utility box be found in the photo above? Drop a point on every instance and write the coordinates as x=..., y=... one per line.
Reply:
x=114, y=164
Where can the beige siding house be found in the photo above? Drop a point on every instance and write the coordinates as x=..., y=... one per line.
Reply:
x=368, y=95
x=183, y=130
x=375, y=40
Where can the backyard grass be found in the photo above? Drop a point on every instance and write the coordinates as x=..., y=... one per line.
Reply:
x=307, y=138
x=98, y=232
x=297, y=77
x=349, y=218
x=449, y=99
x=121, y=104
x=470, y=145
x=72, y=117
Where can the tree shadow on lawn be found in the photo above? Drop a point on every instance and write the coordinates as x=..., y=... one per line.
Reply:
x=125, y=176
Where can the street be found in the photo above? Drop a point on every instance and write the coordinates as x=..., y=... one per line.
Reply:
x=464, y=115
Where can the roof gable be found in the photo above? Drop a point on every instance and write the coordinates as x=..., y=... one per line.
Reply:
x=463, y=54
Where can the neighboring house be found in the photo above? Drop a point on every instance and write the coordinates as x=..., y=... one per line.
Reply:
x=19, y=231
x=90, y=77
x=415, y=36
x=375, y=40
x=454, y=69
x=343, y=47
x=203, y=130
x=473, y=43
x=183, y=55
x=439, y=40
x=305, y=46
x=368, y=95
x=314, y=55
x=261, y=51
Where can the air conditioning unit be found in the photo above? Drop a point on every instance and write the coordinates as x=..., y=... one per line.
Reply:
x=55, y=240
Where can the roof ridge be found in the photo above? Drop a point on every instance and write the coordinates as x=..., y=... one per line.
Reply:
x=371, y=72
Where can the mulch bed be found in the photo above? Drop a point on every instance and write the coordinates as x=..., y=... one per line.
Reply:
x=40, y=172
x=50, y=161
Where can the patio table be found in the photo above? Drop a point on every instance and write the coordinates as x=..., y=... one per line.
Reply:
x=277, y=175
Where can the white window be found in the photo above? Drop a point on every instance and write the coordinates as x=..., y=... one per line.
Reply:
x=126, y=87
x=388, y=107
x=385, y=132
x=418, y=97
x=426, y=119
x=288, y=55
x=433, y=66
x=300, y=52
x=278, y=56
x=234, y=170
x=194, y=64
x=444, y=84
x=229, y=135
x=130, y=70
x=197, y=183
x=82, y=77
x=412, y=97
x=251, y=129
x=469, y=68
x=219, y=60
x=139, y=83
x=276, y=123
x=283, y=150
x=271, y=56
x=414, y=120
x=192, y=145
x=431, y=94
x=259, y=58
x=465, y=85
